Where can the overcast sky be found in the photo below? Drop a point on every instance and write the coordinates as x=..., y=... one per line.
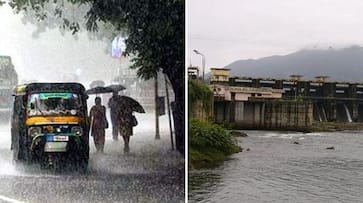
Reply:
x=225, y=31
x=51, y=56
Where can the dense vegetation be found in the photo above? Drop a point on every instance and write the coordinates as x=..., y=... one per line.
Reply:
x=209, y=143
x=198, y=92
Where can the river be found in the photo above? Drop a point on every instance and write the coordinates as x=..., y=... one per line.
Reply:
x=277, y=170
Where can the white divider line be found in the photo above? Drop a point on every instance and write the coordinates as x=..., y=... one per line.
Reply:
x=7, y=199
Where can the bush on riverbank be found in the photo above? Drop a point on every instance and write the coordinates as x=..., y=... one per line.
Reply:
x=209, y=143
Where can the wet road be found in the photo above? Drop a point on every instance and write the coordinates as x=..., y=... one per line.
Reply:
x=150, y=173
x=277, y=170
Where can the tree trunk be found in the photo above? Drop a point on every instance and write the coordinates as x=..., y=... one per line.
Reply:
x=178, y=111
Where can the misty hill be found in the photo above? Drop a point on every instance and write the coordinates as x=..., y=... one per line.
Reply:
x=339, y=64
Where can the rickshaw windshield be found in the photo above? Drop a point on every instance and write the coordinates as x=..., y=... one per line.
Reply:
x=47, y=104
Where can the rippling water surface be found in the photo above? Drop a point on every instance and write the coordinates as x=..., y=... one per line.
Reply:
x=277, y=170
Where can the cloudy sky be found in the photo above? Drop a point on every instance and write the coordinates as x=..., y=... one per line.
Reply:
x=225, y=31
x=51, y=56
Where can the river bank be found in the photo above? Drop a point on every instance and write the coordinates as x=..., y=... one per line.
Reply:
x=209, y=144
x=208, y=157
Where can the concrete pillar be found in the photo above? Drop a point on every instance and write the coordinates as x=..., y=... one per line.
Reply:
x=232, y=117
x=301, y=88
x=332, y=112
x=227, y=112
x=267, y=115
x=328, y=89
x=278, y=84
x=306, y=88
x=352, y=92
x=353, y=108
x=262, y=113
x=256, y=83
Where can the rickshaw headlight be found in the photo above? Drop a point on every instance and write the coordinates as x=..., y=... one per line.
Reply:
x=34, y=131
x=76, y=130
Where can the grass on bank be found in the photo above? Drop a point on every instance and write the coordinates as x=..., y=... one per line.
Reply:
x=209, y=143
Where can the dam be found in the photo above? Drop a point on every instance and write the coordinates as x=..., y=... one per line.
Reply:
x=270, y=103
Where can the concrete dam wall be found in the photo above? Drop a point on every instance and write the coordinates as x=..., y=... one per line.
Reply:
x=269, y=115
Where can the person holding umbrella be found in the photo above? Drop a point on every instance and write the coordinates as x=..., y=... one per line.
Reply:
x=126, y=118
x=113, y=105
x=125, y=122
x=98, y=124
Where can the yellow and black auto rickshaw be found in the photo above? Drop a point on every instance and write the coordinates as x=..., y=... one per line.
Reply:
x=49, y=125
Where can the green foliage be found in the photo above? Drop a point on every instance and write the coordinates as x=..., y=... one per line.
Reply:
x=206, y=135
x=199, y=92
x=205, y=158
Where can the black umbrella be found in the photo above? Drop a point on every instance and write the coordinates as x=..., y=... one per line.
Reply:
x=116, y=88
x=135, y=105
x=99, y=90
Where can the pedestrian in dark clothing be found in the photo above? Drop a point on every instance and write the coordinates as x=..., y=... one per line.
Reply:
x=126, y=123
x=113, y=105
x=98, y=124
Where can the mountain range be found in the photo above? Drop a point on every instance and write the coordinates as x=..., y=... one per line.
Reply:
x=345, y=64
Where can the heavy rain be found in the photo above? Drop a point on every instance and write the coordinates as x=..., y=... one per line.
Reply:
x=153, y=168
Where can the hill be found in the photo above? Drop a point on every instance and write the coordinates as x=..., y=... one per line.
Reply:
x=344, y=64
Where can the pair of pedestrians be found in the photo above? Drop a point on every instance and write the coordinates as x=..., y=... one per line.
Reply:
x=121, y=118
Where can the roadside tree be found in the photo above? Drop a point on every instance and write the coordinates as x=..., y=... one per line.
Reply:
x=154, y=29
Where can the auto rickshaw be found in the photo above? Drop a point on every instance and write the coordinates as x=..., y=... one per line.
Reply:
x=49, y=125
